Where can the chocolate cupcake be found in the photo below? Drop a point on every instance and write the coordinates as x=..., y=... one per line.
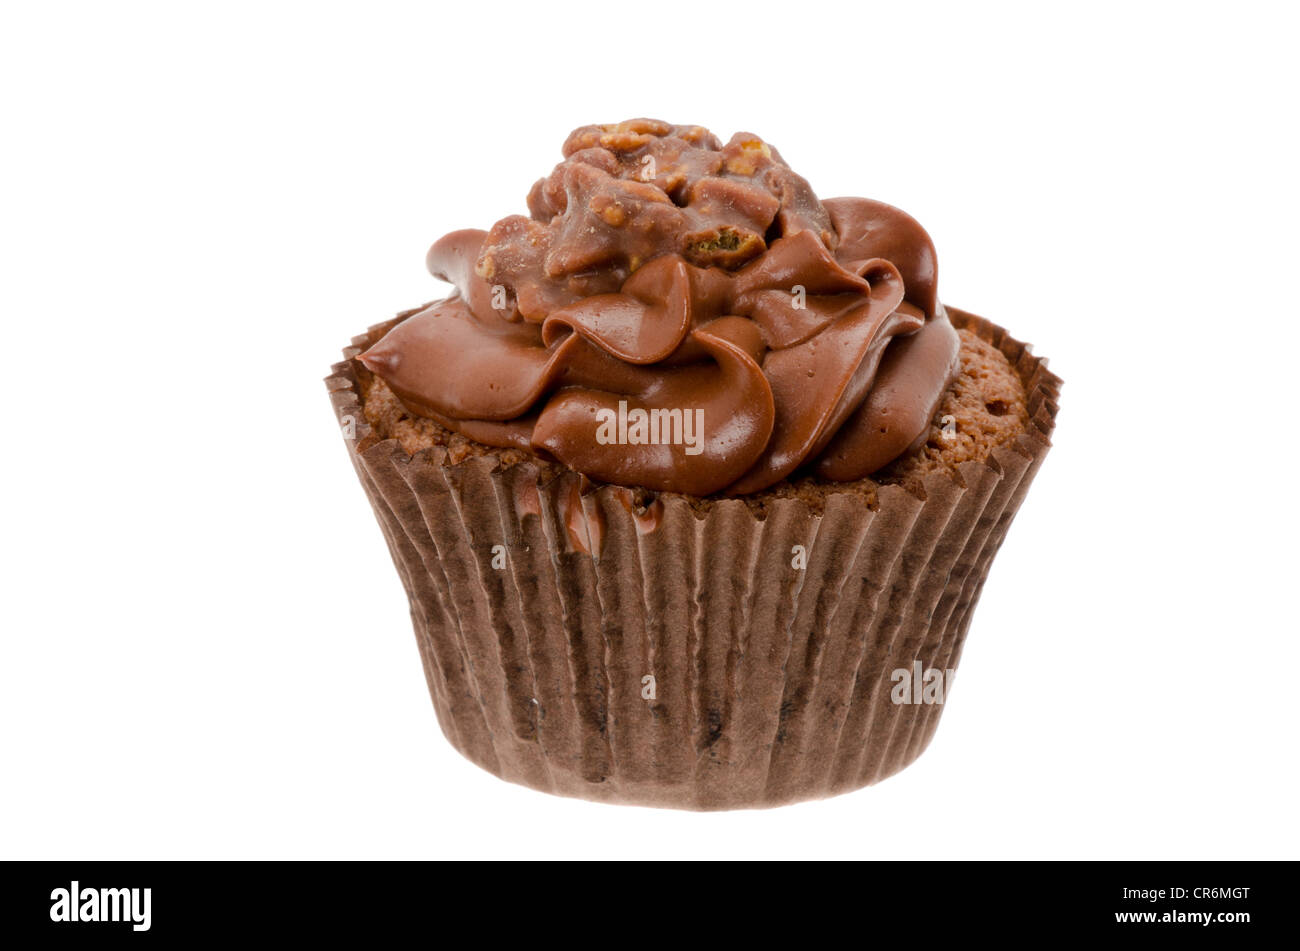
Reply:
x=693, y=482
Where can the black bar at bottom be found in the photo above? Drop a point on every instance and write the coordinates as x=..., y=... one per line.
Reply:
x=651, y=904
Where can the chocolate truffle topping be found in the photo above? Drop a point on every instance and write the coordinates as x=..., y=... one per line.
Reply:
x=680, y=315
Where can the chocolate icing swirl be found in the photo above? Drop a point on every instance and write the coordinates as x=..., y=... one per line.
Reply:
x=661, y=271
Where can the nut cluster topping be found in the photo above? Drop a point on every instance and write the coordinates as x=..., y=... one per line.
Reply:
x=628, y=193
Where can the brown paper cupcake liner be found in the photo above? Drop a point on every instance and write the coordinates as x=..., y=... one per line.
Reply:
x=542, y=612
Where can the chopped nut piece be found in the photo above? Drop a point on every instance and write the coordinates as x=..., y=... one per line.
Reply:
x=624, y=141
x=610, y=210
x=747, y=160
x=723, y=247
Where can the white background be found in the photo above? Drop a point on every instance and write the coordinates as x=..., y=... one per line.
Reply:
x=206, y=651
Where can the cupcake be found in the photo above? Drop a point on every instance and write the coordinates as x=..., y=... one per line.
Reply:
x=692, y=481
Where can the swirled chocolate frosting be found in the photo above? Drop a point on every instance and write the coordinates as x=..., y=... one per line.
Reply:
x=682, y=315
